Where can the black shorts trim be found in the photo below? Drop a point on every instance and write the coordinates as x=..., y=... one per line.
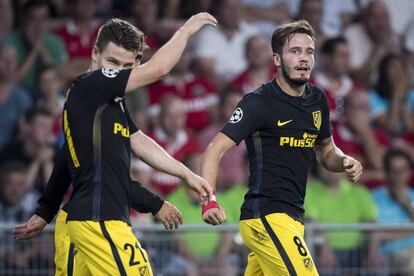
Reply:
x=113, y=248
x=279, y=247
x=71, y=257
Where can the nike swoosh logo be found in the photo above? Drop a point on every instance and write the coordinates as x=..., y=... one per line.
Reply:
x=279, y=123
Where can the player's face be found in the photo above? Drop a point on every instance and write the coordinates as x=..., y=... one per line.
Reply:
x=297, y=59
x=113, y=57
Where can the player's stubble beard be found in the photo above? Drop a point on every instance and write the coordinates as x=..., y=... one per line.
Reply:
x=292, y=82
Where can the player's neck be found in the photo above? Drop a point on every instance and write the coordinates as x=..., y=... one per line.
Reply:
x=92, y=67
x=288, y=87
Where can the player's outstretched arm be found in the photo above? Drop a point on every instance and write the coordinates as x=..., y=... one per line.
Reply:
x=212, y=213
x=334, y=160
x=49, y=202
x=155, y=156
x=167, y=57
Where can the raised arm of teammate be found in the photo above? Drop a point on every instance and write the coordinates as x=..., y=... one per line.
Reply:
x=168, y=55
x=334, y=160
x=155, y=156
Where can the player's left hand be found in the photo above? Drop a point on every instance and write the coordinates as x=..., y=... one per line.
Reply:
x=196, y=22
x=170, y=216
x=200, y=185
x=353, y=168
x=32, y=228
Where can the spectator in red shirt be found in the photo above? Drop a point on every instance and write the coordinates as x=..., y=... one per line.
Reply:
x=79, y=34
x=198, y=94
x=334, y=76
x=260, y=67
x=172, y=136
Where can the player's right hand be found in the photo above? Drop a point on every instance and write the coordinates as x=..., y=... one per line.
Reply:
x=170, y=216
x=200, y=185
x=32, y=228
x=196, y=22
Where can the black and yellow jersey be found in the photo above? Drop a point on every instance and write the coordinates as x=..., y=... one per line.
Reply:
x=280, y=132
x=97, y=130
x=58, y=184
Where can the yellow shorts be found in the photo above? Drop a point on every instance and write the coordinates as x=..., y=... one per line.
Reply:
x=98, y=248
x=278, y=246
x=66, y=263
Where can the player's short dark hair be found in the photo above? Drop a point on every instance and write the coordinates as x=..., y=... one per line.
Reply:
x=396, y=152
x=284, y=32
x=36, y=111
x=329, y=47
x=122, y=34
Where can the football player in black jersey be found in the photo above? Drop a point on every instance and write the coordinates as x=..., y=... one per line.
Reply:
x=98, y=139
x=284, y=123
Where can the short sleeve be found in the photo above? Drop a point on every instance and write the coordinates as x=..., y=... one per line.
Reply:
x=104, y=85
x=326, y=127
x=245, y=119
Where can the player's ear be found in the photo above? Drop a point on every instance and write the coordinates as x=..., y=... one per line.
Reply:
x=276, y=60
x=95, y=54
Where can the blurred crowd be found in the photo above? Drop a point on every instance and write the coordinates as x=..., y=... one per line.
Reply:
x=364, y=63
